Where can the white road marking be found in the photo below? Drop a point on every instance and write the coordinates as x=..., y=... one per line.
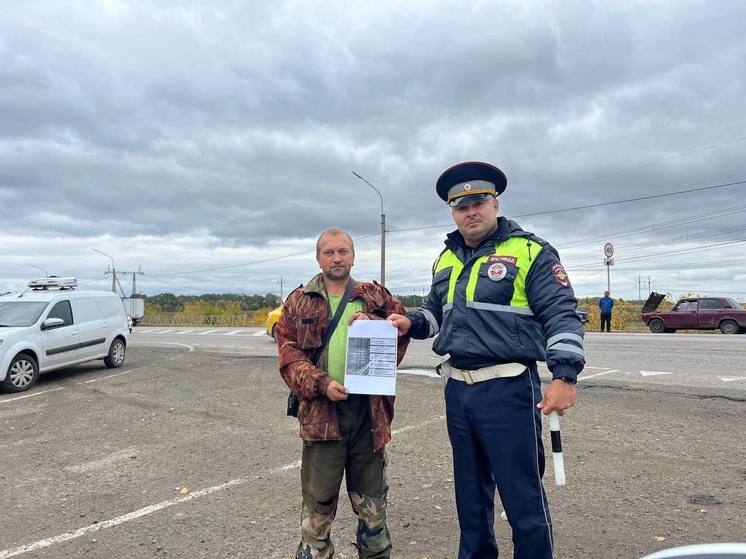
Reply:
x=191, y=348
x=205, y=333
x=184, y=332
x=731, y=379
x=62, y=387
x=109, y=376
x=586, y=377
x=260, y=333
x=31, y=395
x=653, y=373
x=233, y=333
x=74, y=534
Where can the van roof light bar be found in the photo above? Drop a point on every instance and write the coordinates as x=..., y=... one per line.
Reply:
x=53, y=283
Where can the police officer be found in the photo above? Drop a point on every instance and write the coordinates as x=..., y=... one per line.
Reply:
x=500, y=301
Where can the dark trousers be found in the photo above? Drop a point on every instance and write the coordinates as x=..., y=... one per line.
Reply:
x=606, y=319
x=495, y=432
x=322, y=467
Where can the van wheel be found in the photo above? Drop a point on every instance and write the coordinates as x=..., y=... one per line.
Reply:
x=117, y=352
x=656, y=325
x=274, y=332
x=729, y=327
x=22, y=374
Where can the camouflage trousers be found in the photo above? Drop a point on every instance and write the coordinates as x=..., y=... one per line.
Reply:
x=323, y=465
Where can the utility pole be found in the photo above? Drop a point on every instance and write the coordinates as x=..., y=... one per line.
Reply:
x=383, y=230
x=281, y=285
x=639, y=289
x=134, y=275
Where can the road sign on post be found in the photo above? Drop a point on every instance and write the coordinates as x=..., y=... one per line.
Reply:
x=608, y=261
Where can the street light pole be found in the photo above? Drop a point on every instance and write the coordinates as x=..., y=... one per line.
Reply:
x=113, y=270
x=46, y=274
x=383, y=230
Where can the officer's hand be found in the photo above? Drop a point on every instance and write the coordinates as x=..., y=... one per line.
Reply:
x=559, y=396
x=357, y=316
x=336, y=392
x=402, y=323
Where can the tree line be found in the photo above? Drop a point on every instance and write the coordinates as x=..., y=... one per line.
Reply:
x=210, y=303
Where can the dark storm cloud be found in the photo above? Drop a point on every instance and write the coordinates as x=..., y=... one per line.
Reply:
x=243, y=122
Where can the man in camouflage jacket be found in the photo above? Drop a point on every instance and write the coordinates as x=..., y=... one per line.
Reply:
x=342, y=433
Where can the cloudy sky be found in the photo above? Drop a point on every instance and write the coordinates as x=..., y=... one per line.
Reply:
x=208, y=143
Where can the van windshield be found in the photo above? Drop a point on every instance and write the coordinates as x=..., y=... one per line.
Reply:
x=20, y=313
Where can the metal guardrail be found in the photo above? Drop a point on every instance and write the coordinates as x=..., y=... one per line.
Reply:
x=177, y=319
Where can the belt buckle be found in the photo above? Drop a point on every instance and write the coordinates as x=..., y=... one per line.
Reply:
x=468, y=379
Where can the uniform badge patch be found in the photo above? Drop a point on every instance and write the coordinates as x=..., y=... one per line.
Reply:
x=560, y=276
x=497, y=271
x=504, y=259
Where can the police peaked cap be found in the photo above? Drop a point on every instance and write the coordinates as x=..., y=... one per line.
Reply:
x=462, y=173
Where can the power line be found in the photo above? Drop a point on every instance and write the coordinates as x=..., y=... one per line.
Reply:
x=546, y=212
x=669, y=158
x=637, y=247
x=264, y=261
x=589, y=206
x=724, y=264
x=666, y=254
x=685, y=220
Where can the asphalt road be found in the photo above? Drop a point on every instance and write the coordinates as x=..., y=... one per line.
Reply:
x=186, y=452
x=691, y=360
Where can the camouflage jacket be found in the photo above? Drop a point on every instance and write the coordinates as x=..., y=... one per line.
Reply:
x=299, y=332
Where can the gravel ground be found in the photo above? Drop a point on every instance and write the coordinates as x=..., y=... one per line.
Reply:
x=190, y=455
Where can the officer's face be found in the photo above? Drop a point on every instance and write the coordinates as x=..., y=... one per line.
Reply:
x=335, y=256
x=476, y=220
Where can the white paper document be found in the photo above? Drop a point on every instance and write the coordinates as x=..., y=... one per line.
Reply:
x=370, y=365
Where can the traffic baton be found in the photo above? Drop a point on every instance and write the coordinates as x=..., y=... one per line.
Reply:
x=559, y=461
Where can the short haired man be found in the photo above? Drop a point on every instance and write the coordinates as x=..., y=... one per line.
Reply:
x=500, y=301
x=605, y=304
x=342, y=433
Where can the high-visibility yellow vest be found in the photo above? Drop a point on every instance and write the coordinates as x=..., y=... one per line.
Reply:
x=523, y=249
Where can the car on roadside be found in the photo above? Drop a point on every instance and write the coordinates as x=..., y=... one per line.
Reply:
x=695, y=313
x=272, y=319
x=53, y=325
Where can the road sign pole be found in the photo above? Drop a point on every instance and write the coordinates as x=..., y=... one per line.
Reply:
x=608, y=277
x=608, y=253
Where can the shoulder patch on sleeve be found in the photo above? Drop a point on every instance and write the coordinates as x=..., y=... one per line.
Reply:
x=559, y=275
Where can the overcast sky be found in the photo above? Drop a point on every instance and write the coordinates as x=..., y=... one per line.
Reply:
x=210, y=142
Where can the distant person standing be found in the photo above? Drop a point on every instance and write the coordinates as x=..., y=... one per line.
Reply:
x=605, y=304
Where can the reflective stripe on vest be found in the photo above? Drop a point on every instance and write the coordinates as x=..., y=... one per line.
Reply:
x=522, y=249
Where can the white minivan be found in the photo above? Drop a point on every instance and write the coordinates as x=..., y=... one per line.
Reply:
x=53, y=325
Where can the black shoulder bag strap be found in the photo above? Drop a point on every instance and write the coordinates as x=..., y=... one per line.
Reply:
x=335, y=320
x=293, y=401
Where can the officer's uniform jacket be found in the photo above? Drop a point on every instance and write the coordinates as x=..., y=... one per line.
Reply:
x=299, y=332
x=507, y=301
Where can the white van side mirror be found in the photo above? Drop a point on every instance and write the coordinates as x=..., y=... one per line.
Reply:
x=52, y=323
